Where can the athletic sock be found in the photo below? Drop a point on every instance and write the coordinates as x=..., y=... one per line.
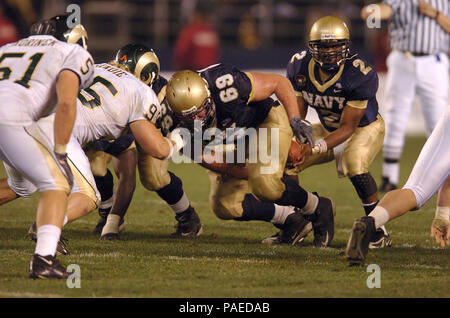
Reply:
x=105, y=185
x=391, y=170
x=293, y=195
x=174, y=195
x=311, y=204
x=281, y=213
x=381, y=216
x=47, y=239
x=368, y=207
x=255, y=210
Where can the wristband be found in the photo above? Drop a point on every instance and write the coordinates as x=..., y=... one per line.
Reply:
x=170, y=148
x=442, y=213
x=319, y=147
x=60, y=148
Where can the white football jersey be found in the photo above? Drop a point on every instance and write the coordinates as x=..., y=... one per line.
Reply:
x=28, y=73
x=114, y=99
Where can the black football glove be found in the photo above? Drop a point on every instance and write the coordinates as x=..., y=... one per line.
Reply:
x=302, y=130
x=62, y=160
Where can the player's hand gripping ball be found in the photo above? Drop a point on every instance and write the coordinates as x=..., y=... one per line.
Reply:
x=295, y=154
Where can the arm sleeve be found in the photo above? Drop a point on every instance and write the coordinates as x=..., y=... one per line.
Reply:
x=81, y=63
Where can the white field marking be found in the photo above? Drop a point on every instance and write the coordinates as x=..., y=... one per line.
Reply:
x=270, y=253
x=29, y=295
x=421, y=266
x=240, y=260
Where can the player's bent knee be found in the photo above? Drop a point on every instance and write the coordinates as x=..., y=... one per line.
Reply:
x=224, y=209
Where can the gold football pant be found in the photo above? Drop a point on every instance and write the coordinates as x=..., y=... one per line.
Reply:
x=354, y=156
x=264, y=177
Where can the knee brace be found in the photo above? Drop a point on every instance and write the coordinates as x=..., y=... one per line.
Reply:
x=364, y=184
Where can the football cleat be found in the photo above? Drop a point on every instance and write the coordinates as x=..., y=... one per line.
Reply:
x=46, y=267
x=323, y=222
x=61, y=248
x=189, y=224
x=358, y=244
x=387, y=186
x=380, y=240
x=293, y=231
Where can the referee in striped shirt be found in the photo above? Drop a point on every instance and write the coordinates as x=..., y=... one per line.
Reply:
x=418, y=64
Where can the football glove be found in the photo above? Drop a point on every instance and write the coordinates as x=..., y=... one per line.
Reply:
x=62, y=160
x=302, y=130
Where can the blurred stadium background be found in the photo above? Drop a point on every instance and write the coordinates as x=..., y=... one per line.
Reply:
x=252, y=34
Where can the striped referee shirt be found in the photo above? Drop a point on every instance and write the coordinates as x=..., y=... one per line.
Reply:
x=412, y=31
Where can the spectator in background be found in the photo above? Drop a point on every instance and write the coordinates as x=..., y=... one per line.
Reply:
x=198, y=44
x=8, y=31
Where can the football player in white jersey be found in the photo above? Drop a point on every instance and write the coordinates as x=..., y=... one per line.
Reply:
x=429, y=175
x=41, y=75
x=113, y=104
x=116, y=103
x=154, y=173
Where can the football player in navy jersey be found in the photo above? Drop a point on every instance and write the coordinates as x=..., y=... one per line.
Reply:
x=341, y=87
x=153, y=172
x=222, y=96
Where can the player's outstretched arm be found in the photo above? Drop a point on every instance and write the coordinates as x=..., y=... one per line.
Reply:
x=125, y=168
x=441, y=223
x=264, y=85
x=67, y=86
x=153, y=142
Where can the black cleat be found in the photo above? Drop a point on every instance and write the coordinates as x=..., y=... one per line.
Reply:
x=189, y=224
x=293, y=231
x=61, y=248
x=46, y=267
x=99, y=227
x=358, y=244
x=387, y=186
x=380, y=240
x=323, y=222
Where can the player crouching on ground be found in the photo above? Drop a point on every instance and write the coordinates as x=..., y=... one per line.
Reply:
x=224, y=97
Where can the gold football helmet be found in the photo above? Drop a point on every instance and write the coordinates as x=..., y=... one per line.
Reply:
x=329, y=42
x=140, y=61
x=189, y=98
x=57, y=26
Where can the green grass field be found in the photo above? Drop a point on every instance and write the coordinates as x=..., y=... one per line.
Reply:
x=228, y=260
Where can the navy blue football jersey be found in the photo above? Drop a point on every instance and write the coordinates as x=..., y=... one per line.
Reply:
x=167, y=121
x=231, y=90
x=355, y=80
